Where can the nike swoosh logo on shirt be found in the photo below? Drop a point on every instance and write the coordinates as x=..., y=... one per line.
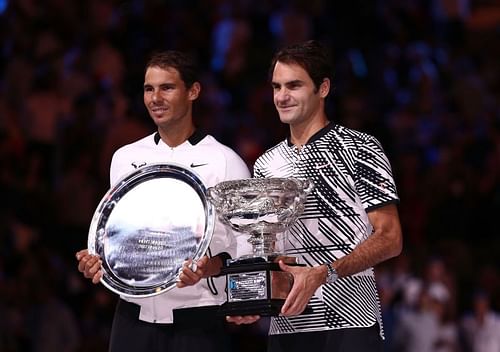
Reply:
x=137, y=165
x=198, y=165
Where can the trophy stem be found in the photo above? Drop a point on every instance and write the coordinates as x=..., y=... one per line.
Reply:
x=262, y=243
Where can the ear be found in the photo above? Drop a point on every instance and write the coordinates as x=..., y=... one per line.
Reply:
x=194, y=91
x=324, y=88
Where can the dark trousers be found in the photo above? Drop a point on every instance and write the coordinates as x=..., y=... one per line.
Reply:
x=341, y=340
x=129, y=334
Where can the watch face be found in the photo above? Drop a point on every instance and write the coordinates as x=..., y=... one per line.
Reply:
x=331, y=274
x=147, y=225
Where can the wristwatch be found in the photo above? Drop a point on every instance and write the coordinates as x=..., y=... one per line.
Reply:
x=331, y=273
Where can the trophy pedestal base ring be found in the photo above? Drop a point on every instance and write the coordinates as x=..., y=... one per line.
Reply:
x=256, y=286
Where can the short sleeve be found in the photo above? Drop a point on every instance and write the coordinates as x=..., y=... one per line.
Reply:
x=373, y=177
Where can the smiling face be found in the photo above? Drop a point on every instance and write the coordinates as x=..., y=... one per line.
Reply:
x=168, y=100
x=296, y=98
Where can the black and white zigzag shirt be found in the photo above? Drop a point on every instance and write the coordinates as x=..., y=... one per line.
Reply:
x=352, y=176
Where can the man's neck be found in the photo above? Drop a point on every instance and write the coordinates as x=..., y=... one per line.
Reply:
x=301, y=133
x=177, y=135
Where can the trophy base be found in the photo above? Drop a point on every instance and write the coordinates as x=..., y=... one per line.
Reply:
x=258, y=262
x=269, y=258
x=256, y=286
x=264, y=308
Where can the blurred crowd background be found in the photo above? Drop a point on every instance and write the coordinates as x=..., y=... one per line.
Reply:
x=423, y=76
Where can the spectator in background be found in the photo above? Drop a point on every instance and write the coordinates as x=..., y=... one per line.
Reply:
x=428, y=327
x=481, y=327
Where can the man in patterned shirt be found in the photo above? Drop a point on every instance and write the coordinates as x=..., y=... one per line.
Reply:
x=350, y=222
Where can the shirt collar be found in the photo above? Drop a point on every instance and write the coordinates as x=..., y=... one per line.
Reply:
x=315, y=136
x=194, y=139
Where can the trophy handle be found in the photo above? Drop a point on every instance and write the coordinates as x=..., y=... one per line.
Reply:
x=213, y=196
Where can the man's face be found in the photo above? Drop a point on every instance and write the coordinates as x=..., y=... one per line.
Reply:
x=166, y=97
x=295, y=96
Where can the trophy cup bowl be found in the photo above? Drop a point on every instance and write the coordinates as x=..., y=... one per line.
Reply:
x=263, y=209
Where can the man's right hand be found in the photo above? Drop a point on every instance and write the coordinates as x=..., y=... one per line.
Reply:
x=89, y=265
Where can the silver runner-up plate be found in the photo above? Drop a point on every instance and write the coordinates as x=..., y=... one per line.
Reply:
x=147, y=225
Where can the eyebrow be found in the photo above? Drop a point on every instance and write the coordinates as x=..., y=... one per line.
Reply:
x=289, y=83
x=162, y=85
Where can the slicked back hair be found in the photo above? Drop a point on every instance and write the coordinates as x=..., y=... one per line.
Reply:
x=311, y=55
x=185, y=64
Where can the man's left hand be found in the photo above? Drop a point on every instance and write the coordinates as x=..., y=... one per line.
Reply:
x=192, y=272
x=306, y=280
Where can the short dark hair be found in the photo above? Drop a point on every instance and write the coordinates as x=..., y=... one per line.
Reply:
x=184, y=63
x=311, y=55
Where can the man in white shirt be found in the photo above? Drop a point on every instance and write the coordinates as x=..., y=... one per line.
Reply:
x=146, y=324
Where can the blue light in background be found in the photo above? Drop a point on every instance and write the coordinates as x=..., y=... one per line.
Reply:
x=3, y=6
x=358, y=63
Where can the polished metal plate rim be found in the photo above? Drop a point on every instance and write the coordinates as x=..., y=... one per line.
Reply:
x=146, y=225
